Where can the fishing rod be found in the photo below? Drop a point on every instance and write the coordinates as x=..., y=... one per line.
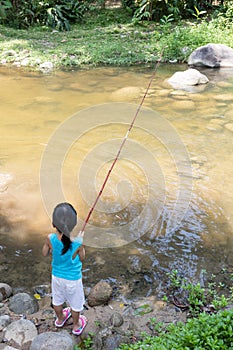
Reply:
x=81, y=233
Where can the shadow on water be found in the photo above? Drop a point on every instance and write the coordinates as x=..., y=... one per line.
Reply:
x=130, y=240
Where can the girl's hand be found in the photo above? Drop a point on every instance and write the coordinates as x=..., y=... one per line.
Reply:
x=79, y=237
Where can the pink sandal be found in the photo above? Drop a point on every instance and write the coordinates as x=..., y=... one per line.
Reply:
x=79, y=330
x=67, y=314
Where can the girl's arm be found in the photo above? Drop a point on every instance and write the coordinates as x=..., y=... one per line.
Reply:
x=81, y=253
x=46, y=247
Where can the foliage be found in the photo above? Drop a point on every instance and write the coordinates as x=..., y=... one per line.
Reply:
x=56, y=14
x=178, y=9
x=197, y=298
x=85, y=343
x=226, y=10
x=213, y=332
x=61, y=14
x=5, y=5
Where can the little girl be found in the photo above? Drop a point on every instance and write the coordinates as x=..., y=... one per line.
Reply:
x=66, y=272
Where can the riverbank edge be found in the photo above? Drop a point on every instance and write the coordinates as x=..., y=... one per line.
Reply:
x=107, y=37
x=139, y=318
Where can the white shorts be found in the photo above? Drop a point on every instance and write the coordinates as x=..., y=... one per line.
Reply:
x=68, y=291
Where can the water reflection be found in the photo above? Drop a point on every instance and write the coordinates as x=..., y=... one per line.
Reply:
x=33, y=106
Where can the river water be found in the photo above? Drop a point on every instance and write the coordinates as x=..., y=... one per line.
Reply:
x=168, y=203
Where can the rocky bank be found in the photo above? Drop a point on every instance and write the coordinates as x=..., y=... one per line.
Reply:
x=27, y=319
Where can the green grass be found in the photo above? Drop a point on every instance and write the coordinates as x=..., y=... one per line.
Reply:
x=108, y=37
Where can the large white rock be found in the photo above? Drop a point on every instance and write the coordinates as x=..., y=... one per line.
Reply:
x=212, y=55
x=188, y=77
x=21, y=332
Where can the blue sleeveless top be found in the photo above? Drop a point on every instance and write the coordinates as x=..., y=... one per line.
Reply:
x=64, y=266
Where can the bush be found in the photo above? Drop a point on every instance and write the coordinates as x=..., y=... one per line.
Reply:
x=213, y=332
x=56, y=14
x=156, y=9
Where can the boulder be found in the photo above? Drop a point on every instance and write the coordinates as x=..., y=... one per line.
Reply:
x=5, y=291
x=99, y=294
x=212, y=55
x=52, y=341
x=23, y=303
x=188, y=77
x=21, y=332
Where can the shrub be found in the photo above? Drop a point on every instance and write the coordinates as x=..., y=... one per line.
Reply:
x=213, y=332
x=56, y=14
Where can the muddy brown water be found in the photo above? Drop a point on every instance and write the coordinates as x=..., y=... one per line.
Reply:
x=168, y=203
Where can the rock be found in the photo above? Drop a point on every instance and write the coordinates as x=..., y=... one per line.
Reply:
x=114, y=341
x=212, y=55
x=5, y=291
x=21, y=332
x=52, y=341
x=3, y=311
x=138, y=264
x=223, y=98
x=23, y=303
x=188, y=77
x=42, y=290
x=135, y=265
x=4, y=321
x=97, y=342
x=18, y=290
x=224, y=84
x=25, y=62
x=126, y=93
x=183, y=105
x=46, y=67
x=99, y=294
x=142, y=307
x=9, y=53
x=215, y=124
x=116, y=319
x=7, y=347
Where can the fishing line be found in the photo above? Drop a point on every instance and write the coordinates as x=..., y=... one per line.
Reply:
x=121, y=146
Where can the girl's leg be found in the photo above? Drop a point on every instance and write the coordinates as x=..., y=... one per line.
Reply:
x=75, y=316
x=60, y=316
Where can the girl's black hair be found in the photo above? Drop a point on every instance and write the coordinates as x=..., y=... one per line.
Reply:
x=65, y=219
x=66, y=244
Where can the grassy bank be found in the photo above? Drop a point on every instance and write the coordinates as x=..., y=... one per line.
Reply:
x=108, y=37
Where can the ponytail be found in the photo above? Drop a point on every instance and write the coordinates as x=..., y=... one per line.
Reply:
x=66, y=244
